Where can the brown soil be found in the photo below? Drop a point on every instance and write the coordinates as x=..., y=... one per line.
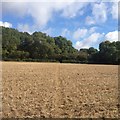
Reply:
x=54, y=90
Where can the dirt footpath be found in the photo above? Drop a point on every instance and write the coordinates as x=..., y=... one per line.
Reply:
x=59, y=90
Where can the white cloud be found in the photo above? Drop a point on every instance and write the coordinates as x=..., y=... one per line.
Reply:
x=42, y=11
x=51, y=0
x=79, y=33
x=89, y=20
x=78, y=45
x=18, y=9
x=92, y=40
x=65, y=32
x=32, y=29
x=114, y=11
x=72, y=10
x=82, y=33
x=48, y=31
x=95, y=38
x=99, y=14
x=92, y=29
x=25, y=28
x=5, y=24
x=112, y=36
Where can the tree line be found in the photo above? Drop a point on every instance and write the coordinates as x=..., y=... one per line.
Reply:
x=21, y=46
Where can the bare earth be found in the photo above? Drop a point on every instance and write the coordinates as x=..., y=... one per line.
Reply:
x=59, y=90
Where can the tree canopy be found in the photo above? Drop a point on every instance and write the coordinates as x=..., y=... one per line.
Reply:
x=22, y=46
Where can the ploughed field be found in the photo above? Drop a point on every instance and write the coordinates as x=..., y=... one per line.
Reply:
x=59, y=90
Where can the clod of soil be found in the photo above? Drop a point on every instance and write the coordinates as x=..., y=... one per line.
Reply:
x=53, y=90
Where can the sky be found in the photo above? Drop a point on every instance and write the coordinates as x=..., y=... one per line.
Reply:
x=86, y=23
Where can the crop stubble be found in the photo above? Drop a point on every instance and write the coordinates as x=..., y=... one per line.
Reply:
x=59, y=90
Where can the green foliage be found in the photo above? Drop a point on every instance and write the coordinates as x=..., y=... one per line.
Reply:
x=41, y=47
x=109, y=52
